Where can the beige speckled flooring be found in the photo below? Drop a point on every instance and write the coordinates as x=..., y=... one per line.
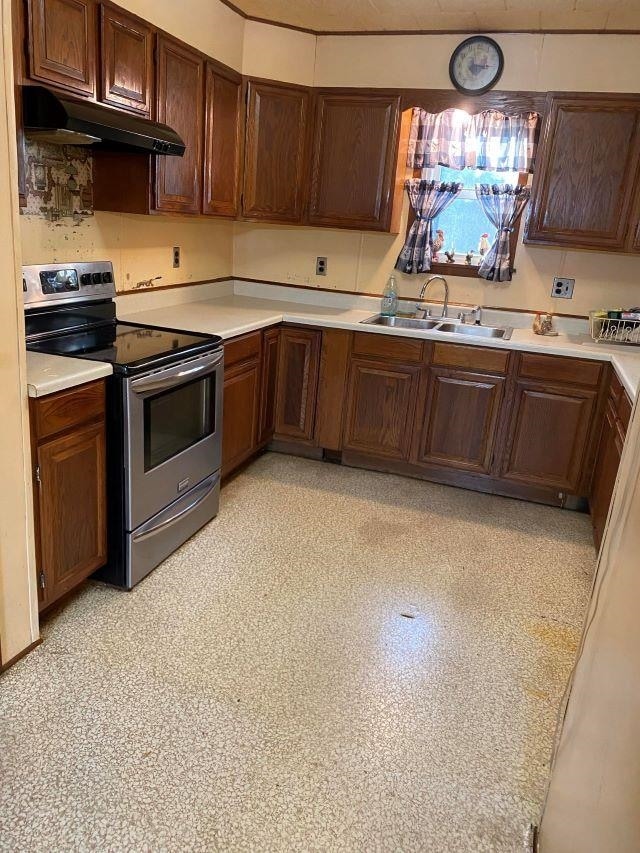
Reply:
x=343, y=660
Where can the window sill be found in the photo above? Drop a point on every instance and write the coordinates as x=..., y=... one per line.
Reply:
x=454, y=269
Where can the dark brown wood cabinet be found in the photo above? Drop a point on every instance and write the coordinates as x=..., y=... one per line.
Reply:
x=126, y=61
x=298, y=365
x=275, y=152
x=69, y=453
x=270, y=354
x=223, y=131
x=354, y=160
x=62, y=44
x=586, y=177
x=241, y=400
x=180, y=104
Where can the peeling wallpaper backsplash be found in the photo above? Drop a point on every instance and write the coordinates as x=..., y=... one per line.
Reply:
x=59, y=181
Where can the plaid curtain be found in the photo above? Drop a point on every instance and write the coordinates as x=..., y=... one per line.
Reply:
x=427, y=199
x=502, y=206
x=490, y=140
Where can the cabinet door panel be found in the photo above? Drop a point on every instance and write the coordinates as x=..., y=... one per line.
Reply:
x=240, y=415
x=461, y=420
x=582, y=194
x=72, y=503
x=127, y=61
x=270, y=352
x=275, y=152
x=380, y=403
x=223, y=115
x=62, y=44
x=605, y=473
x=180, y=75
x=354, y=160
x=549, y=436
x=298, y=364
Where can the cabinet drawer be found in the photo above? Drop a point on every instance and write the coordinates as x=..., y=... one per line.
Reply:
x=59, y=412
x=615, y=389
x=387, y=346
x=625, y=407
x=242, y=349
x=471, y=357
x=559, y=368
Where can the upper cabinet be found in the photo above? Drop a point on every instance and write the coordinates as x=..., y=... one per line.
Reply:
x=180, y=104
x=275, y=154
x=354, y=160
x=222, y=138
x=62, y=44
x=127, y=61
x=586, y=179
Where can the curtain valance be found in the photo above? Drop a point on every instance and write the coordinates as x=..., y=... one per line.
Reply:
x=490, y=140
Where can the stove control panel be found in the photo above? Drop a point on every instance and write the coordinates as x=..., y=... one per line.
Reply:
x=72, y=282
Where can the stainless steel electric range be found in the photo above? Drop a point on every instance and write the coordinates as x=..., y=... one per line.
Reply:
x=164, y=412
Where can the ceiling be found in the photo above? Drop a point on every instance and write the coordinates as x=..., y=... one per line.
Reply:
x=459, y=15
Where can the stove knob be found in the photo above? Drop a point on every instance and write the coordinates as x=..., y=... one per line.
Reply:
x=107, y=278
x=85, y=279
x=96, y=278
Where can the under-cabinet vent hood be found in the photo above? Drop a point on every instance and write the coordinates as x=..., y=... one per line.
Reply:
x=54, y=118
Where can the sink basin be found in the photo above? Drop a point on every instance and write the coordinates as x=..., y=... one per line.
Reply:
x=437, y=325
x=503, y=333
x=402, y=322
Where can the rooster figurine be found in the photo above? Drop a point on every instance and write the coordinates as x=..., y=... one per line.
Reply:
x=484, y=246
x=436, y=244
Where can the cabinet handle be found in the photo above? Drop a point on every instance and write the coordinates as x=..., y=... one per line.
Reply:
x=37, y=475
x=42, y=581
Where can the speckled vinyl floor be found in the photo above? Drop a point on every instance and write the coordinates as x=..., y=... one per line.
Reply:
x=343, y=660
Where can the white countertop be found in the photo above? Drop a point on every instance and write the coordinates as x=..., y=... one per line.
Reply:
x=47, y=374
x=232, y=315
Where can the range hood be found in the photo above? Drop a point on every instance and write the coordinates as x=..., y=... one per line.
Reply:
x=54, y=118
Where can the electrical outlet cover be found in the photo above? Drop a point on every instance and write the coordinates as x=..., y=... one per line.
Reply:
x=321, y=266
x=563, y=288
x=176, y=257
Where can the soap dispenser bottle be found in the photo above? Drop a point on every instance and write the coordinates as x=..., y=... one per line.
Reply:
x=390, y=298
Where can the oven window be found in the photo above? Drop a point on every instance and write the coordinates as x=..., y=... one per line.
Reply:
x=177, y=419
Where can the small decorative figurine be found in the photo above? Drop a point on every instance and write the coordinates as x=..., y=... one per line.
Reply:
x=468, y=258
x=437, y=244
x=484, y=246
x=543, y=325
x=451, y=256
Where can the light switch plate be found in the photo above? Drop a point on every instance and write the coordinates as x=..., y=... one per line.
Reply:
x=563, y=288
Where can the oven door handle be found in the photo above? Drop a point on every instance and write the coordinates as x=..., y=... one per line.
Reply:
x=174, y=376
x=203, y=492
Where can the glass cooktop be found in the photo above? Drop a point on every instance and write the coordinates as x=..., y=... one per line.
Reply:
x=129, y=348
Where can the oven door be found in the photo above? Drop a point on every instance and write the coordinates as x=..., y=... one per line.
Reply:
x=173, y=433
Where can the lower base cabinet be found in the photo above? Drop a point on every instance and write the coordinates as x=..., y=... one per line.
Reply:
x=69, y=458
x=297, y=384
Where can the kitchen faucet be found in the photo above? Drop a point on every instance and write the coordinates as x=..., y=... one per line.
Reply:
x=423, y=290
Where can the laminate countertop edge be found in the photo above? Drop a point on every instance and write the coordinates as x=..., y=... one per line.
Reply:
x=47, y=374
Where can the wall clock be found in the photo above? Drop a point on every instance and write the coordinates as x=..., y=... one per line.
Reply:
x=476, y=65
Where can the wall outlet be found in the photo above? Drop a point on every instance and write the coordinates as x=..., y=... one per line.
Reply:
x=176, y=257
x=321, y=266
x=563, y=288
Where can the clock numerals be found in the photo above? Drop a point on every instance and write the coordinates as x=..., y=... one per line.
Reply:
x=476, y=65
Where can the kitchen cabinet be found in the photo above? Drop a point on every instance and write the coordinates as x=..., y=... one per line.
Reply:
x=223, y=125
x=269, y=380
x=69, y=458
x=275, y=152
x=180, y=104
x=241, y=400
x=332, y=387
x=127, y=61
x=586, y=179
x=354, y=160
x=297, y=386
x=62, y=45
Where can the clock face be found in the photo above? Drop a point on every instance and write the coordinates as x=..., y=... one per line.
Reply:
x=476, y=65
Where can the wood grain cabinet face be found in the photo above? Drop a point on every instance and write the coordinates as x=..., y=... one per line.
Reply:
x=127, y=61
x=240, y=415
x=549, y=436
x=298, y=365
x=223, y=117
x=270, y=353
x=62, y=44
x=605, y=473
x=180, y=81
x=583, y=191
x=459, y=424
x=353, y=167
x=380, y=405
x=275, y=152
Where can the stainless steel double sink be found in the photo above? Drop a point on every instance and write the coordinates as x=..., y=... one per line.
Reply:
x=442, y=325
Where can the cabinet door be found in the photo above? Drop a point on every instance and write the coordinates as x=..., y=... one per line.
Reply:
x=127, y=61
x=62, y=44
x=380, y=405
x=276, y=146
x=353, y=167
x=605, y=473
x=270, y=352
x=549, y=436
x=72, y=508
x=241, y=401
x=459, y=424
x=585, y=174
x=296, y=396
x=223, y=120
x=180, y=75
